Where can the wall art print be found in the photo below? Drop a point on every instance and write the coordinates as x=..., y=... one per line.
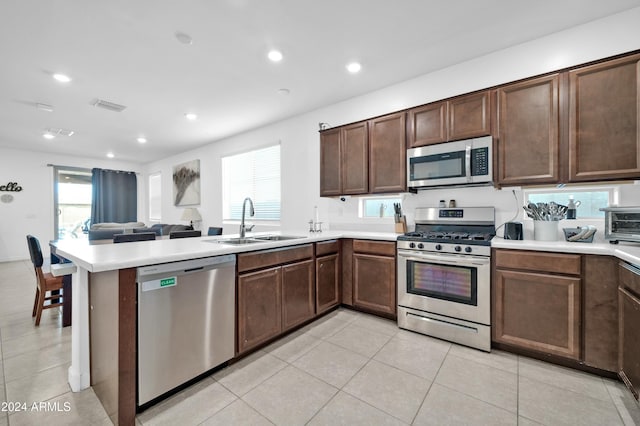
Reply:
x=186, y=183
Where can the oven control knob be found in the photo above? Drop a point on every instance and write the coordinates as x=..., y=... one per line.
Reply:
x=457, y=248
x=467, y=249
x=420, y=246
x=412, y=245
x=438, y=247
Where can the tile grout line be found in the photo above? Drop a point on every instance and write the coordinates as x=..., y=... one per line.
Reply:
x=431, y=385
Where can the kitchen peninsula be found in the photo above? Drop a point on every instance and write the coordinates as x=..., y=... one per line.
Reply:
x=112, y=269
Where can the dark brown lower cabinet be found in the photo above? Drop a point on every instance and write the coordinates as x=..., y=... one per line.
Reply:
x=374, y=283
x=327, y=282
x=629, y=317
x=298, y=299
x=259, y=307
x=536, y=310
x=600, y=312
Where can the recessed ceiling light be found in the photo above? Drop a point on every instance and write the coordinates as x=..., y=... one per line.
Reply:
x=284, y=92
x=275, y=55
x=48, y=135
x=183, y=38
x=110, y=154
x=354, y=67
x=142, y=140
x=191, y=116
x=62, y=78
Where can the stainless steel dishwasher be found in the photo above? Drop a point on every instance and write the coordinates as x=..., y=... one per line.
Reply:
x=186, y=322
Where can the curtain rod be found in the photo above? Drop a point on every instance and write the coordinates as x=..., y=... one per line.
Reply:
x=87, y=168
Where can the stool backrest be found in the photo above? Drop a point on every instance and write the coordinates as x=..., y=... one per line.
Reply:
x=35, y=251
x=128, y=238
x=214, y=230
x=184, y=234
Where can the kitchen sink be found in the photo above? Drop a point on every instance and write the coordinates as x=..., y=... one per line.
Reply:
x=277, y=237
x=236, y=241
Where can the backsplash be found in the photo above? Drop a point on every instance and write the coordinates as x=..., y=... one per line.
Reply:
x=344, y=214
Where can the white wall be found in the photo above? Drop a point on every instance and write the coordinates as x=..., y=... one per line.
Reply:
x=300, y=141
x=31, y=211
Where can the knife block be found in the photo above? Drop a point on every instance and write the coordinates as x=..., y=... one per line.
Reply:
x=401, y=225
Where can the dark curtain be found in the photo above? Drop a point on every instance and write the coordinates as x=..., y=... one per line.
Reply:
x=115, y=196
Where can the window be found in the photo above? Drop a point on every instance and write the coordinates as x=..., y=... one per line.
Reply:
x=380, y=207
x=72, y=202
x=591, y=199
x=254, y=174
x=155, y=197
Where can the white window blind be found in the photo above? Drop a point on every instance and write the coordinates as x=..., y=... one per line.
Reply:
x=155, y=197
x=254, y=174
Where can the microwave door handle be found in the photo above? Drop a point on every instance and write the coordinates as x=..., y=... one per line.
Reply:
x=467, y=164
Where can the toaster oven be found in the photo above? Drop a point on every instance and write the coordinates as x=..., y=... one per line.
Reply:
x=622, y=224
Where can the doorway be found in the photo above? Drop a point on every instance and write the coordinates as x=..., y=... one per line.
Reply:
x=71, y=202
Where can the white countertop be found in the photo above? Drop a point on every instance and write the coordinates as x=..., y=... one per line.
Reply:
x=629, y=252
x=108, y=257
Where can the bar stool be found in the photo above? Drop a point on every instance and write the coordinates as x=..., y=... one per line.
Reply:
x=45, y=282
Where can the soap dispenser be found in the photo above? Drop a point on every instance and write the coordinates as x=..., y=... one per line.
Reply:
x=571, y=208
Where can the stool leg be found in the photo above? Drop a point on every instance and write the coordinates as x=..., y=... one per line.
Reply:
x=35, y=303
x=41, y=297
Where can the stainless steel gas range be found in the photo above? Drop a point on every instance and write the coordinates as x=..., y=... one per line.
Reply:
x=444, y=275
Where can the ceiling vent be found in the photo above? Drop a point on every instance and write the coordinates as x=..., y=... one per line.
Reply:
x=108, y=105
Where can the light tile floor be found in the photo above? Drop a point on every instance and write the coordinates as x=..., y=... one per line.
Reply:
x=347, y=368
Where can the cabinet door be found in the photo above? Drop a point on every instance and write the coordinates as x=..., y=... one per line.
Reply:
x=629, y=318
x=629, y=342
x=330, y=163
x=537, y=311
x=355, y=159
x=259, y=307
x=387, y=154
x=528, y=132
x=601, y=312
x=374, y=283
x=604, y=138
x=427, y=124
x=470, y=116
x=298, y=298
x=327, y=282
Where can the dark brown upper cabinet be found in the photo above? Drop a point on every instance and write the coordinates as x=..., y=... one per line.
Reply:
x=470, y=116
x=427, y=124
x=387, y=154
x=344, y=157
x=467, y=116
x=604, y=133
x=528, y=132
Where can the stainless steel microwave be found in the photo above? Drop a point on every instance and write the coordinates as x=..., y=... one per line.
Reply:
x=465, y=162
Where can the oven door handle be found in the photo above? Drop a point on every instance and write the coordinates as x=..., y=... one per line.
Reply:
x=443, y=258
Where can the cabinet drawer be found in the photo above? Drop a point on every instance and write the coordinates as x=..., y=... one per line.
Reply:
x=384, y=248
x=279, y=256
x=629, y=276
x=327, y=247
x=567, y=264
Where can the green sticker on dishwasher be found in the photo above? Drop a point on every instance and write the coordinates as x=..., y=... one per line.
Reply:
x=161, y=283
x=168, y=281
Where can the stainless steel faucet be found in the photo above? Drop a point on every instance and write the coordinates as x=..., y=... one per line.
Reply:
x=251, y=213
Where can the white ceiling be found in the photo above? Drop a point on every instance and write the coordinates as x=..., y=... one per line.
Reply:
x=125, y=51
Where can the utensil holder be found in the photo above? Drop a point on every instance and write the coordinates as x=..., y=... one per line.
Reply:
x=545, y=230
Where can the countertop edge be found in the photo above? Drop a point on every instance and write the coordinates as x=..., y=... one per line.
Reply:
x=108, y=257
